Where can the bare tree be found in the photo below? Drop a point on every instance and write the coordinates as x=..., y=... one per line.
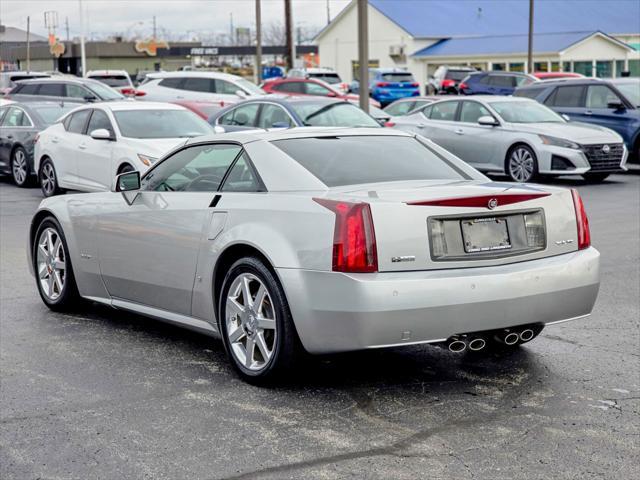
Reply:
x=273, y=34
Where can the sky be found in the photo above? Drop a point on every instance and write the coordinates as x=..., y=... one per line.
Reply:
x=184, y=19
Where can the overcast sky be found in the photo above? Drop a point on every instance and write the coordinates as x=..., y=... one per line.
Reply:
x=180, y=17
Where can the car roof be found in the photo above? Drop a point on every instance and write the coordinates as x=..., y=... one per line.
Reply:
x=123, y=105
x=187, y=73
x=484, y=98
x=24, y=72
x=390, y=70
x=58, y=79
x=564, y=81
x=107, y=72
x=250, y=136
x=501, y=72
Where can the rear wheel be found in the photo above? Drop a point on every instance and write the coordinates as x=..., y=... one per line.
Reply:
x=52, y=266
x=125, y=168
x=48, y=179
x=20, y=167
x=521, y=165
x=595, y=177
x=255, y=322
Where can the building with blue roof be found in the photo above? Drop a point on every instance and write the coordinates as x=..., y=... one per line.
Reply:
x=593, y=37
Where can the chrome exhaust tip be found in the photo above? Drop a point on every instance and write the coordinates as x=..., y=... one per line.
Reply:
x=477, y=344
x=526, y=335
x=457, y=346
x=511, y=338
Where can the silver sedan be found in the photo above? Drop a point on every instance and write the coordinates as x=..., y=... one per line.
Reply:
x=311, y=239
x=517, y=136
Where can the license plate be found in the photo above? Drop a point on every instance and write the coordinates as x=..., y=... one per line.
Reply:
x=485, y=235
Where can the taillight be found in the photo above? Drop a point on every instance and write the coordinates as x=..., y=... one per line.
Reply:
x=584, y=235
x=415, y=84
x=140, y=93
x=354, y=239
x=447, y=83
x=382, y=84
x=128, y=91
x=389, y=124
x=462, y=86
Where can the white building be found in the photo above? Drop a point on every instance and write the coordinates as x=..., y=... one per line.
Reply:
x=594, y=38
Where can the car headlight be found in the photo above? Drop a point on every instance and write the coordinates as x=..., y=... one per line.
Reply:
x=559, y=142
x=146, y=159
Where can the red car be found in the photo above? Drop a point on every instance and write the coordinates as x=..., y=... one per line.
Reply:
x=308, y=86
x=556, y=75
x=203, y=109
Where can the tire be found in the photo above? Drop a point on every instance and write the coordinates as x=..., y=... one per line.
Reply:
x=521, y=164
x=48, y=179
x=52, y=266
x=595, y=177
x=20, y=168
x=272, y=344
x=125, y=168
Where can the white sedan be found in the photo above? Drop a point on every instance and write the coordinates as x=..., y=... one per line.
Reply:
x=91, y=144
x=312, y=239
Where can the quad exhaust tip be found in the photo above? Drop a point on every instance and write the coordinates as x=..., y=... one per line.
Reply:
x=526, y=335
x=477, y=344
x=457, y=346
x=512, y=338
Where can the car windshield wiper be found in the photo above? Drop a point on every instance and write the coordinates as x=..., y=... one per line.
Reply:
x=319, y=111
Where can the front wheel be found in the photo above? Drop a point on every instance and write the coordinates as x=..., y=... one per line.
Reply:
x=521, y=165
x=255, y=322
x=595, y=177
x=48, y=179
x=20, y=167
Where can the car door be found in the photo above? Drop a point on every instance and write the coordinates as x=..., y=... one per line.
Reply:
x=242, y=117
x=148, y=249
x=79, y=92
x=441, y=125
x=597, y=109
x=66, y=150
x=476, y=144
x=568, y=100
x=95, y=155
x=501, y=85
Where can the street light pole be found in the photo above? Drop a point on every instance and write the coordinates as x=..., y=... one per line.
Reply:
x=28, y=44
x=530, y=47
x=258, y=66
x=363, y=54
x=83, y=53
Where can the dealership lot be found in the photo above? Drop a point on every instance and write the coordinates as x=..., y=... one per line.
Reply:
x=107, y=394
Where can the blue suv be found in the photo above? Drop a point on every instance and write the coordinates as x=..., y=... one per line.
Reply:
x=387, y=85
x=614, y=104
x=494, y=83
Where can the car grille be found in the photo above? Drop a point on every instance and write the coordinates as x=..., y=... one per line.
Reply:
x=600, y=159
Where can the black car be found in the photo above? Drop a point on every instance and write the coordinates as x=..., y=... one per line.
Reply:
x=286, y=112
x=64, y=89
x=19, y=126
x=494, y=83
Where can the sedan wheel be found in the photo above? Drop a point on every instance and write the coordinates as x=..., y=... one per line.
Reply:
x=48, y=180
x=20, y=167
x=521, y=164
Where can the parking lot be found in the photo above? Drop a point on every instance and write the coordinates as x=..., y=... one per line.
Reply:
x=106, y=394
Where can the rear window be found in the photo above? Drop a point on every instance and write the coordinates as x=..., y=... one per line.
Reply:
x=338, y=114
x=529, y=92
x=397, y=77
x=353, y=160
x=112, y=80
x=456, y=75
x=331, y=78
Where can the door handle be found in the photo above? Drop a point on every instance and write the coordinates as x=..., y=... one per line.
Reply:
x=82, y=146
x=459, y=131
x=55, y=140
x=421, y=125
x=588, y=112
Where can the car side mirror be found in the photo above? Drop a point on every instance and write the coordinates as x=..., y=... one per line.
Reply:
x=566, y=117
x=90, y=98
x=101, y=134
x=218, y=129
x=128, y=181
x=616, y=105
x=488, y=120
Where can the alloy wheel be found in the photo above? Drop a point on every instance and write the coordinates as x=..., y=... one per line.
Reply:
x=19, y=167
x=521, y=165
x=250, y=322
x=48, y=179
x=51, y=264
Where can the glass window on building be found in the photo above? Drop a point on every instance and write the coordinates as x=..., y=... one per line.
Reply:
x=634, y=68
x=619, y=67
x=516, y=67
x=566, y=66
x=585, y=68
x=540, y=67
x=499, y=67
x=555, y=66
x=604, y=69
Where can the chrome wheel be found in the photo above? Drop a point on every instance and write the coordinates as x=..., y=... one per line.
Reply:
x=51, y=264
x=521, y=165
x=48, y=179
x=19, y=167
x=250, y=322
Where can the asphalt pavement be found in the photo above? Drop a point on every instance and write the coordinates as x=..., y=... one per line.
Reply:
x=103, y=394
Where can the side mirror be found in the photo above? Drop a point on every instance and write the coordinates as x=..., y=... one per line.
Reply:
x=101, y=134
x=489, y=121
x=616, y=105
x=218, y=129
x=90, y=98
x=241, y=93
x=128, y=181
x=566, y=117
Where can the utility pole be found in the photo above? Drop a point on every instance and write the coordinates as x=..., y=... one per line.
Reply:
x=258, y=43
x=66, y=26
x=289, y=43
x=363, y=54
x=83, y=53
x=154, y=28
x=530, y=49
x=328, y=13
x=28, y=44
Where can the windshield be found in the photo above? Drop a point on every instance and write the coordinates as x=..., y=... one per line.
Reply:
x=113, y=80
x=339, y=114
x=104, y=92
x=631, y=90
x=330, y=78
x=353, y=160
x=51, y=113
x=252, y=88
x=397, y=77
x=526, y=112
x=456, y=75
x=160, y=124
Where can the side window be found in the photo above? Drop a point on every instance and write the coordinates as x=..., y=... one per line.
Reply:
x=225, y=87
x=472, y=111
x=29, y=89
x=444, y=111
x=168, y=82
x=199, y=85
x=98, y=120
x=244, y=116
x=501, y=80
x=486, y=80
x=66, y=122
x=76, y=91
x=419, y=104
x=16, y=117
x=52, y=89
x=520, y=81
x=570, y=96
x=78, y=121
x=241, y=177
x=273, y=114
x=400, y=108
x=600, y=96
x=3, y=110
x=195, y=169
x=316, y=89
x=427, y=111
x=292, y=87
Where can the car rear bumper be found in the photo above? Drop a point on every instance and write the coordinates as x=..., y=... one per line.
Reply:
x=392, y=95
x=336, y=312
